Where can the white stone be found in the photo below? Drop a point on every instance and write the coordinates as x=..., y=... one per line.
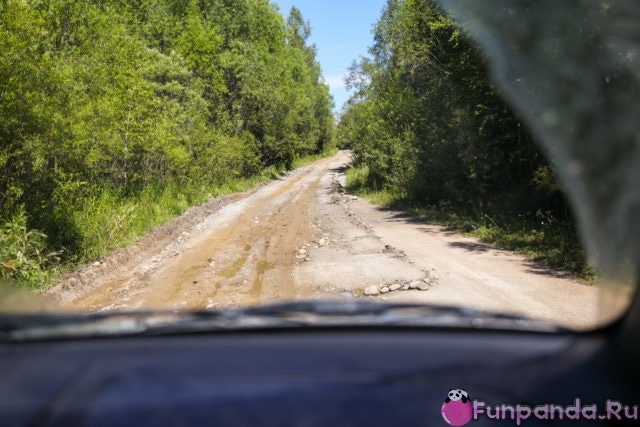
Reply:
x=423, y=286
x=371, y=290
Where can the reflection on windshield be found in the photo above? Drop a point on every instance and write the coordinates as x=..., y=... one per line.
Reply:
x=186, y=158
x=573, y=71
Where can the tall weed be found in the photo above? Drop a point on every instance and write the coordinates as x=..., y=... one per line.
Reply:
x=23, y=253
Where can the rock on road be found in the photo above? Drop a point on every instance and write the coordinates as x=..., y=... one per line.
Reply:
x=302, y=237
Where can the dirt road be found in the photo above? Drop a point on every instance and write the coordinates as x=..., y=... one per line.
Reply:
x=301, y=237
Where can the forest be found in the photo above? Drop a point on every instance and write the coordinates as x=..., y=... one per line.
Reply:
x=115, y=115
x=431, y=134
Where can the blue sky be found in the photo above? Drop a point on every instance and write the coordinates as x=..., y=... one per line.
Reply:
x=341, y=31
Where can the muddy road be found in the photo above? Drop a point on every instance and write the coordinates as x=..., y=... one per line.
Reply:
x=302, y=237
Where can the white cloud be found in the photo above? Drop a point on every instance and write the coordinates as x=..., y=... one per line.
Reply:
x=335, y=81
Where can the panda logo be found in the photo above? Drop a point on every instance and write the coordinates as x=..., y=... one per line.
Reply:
x=457, y=409
x=456, y=395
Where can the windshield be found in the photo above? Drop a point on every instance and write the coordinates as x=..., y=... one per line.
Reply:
x=216, y=155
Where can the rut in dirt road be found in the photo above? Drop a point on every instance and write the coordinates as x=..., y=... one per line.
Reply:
x=242, y=254
x=301, y=237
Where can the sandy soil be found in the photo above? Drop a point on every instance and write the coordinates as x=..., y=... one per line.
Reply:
x=302, y=237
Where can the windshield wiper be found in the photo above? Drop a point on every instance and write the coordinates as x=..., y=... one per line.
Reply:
x=277, y=316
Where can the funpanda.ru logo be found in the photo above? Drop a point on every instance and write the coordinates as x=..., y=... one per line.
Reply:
x=458, y=409
x=614, y=410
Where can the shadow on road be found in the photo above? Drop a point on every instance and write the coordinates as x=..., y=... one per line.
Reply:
x=339, y=169
x=472, y=246
x=406, y=218
x=535, y=268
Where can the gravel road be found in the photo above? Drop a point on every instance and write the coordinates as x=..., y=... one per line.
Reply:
x=302, y=237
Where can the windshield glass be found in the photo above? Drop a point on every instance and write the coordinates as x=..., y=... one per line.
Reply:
x=214, y=155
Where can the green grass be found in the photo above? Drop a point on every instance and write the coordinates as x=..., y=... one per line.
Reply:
x=553, y=244
x=358, y=184
x=301, y=161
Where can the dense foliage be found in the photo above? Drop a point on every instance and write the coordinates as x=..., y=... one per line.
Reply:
x=427, y=127
x=119, y=97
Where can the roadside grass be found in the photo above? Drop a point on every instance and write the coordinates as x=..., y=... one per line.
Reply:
x=554, y=244
x=358, y=183
x=301, y=161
